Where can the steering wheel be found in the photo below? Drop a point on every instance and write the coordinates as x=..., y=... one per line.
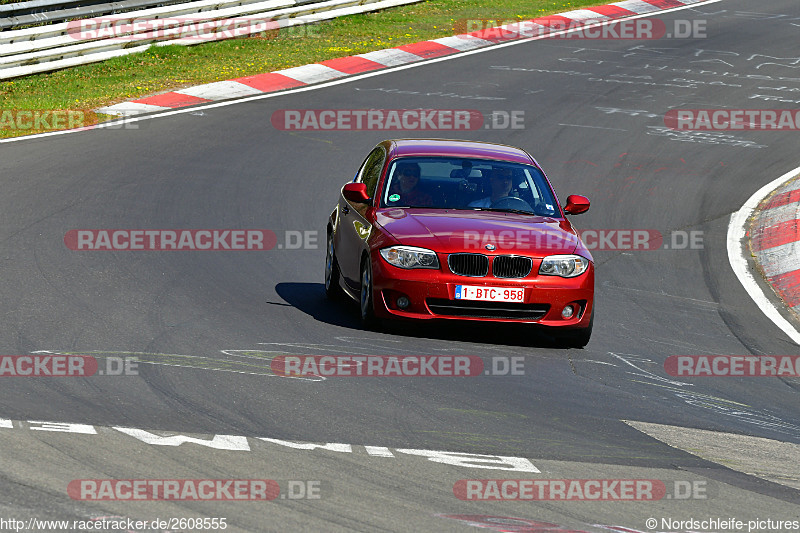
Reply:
x=511, y=202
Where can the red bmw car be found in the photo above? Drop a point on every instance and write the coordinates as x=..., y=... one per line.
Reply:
x=459, y=230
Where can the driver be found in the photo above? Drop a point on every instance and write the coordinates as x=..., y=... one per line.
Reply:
x=501, y=182
x=404, y=187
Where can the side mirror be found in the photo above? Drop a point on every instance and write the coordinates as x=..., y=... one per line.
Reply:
x=576, y=204
x=356, y=192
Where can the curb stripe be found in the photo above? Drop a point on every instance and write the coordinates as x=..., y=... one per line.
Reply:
x=582, y=15
x=665, y=4
x=352, y=64
x=612, y=11
x=219, y=90
x=391, y=57
x=640, y=7
x=776, y=215
x=173, y=99
x=779, y=234
x=779, y=260
x=783, y=198
x=462, y=42
x=134, y=108
x=559, y=21
x=427, y=49
x=308, y=74
x=269, y=82
x=788, y=287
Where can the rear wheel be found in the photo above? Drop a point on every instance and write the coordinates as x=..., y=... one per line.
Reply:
x=332, y=289
x=368, y=319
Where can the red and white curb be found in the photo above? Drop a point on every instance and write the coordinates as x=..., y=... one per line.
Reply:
x=775, y=246
x=775, y=242
x=346, y=66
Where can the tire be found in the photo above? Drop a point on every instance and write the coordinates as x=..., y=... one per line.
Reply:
x=367, y=306
x=332, y=289
x=579, y=338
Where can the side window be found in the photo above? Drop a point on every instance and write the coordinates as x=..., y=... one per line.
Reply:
x=371, y=171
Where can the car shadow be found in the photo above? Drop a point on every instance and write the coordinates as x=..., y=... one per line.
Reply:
x=501, y=334
x=310, y=299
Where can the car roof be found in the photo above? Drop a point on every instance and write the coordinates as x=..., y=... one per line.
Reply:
x=458, y=148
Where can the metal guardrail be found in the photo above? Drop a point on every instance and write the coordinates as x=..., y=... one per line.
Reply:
x=61, y=45
x=50, y=11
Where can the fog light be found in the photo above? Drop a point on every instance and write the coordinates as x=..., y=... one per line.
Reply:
x=568, y=312
x=403, y=302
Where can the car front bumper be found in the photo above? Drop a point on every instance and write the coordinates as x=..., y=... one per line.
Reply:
x=431, y=295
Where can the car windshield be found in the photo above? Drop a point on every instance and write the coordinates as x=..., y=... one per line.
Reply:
x=467, y=184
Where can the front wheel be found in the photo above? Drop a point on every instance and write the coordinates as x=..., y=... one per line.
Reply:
x=578, y=338
x=368, y=319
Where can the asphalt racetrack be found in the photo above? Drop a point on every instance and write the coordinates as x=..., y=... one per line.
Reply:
x=204, y=326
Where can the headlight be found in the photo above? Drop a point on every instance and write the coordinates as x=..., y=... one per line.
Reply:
x=566, y=266
x=410, y=257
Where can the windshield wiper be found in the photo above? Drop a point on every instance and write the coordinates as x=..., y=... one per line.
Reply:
x=518, y=211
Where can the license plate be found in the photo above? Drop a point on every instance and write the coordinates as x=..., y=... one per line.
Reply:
x=489, y=294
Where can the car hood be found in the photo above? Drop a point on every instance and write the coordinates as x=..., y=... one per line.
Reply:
x=453, y=231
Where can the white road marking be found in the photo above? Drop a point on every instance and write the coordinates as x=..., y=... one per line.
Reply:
x=645, y=374
x=694, y=300
x=62, y=427
x=378, y=451
x=592, y=127
x=331, y=446
x=242, y=444
x=219, y=442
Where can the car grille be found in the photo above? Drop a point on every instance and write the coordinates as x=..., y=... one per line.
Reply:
x=511, y=266
x=475, y=265
x=475, y=309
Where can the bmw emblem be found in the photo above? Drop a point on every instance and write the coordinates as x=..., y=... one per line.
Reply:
x=490, y=247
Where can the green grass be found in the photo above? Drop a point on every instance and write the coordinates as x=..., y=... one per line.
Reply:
x=161, y=69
